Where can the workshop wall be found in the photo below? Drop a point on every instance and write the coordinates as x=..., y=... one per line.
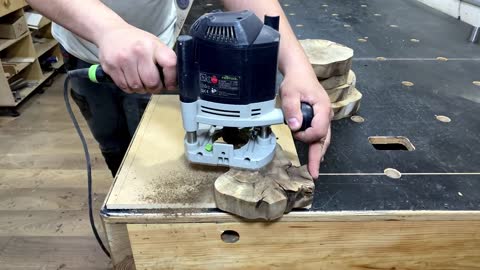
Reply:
x=467, y=11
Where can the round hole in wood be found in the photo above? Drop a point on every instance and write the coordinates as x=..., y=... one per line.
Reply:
x=392, y=173
x=443, y=118
x=230, y=236
x=357, y=119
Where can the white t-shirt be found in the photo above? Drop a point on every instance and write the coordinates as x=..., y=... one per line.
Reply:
x=154, y=16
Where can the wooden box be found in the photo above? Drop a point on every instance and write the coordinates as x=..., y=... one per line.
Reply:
x=13, y=26
x=160, y=214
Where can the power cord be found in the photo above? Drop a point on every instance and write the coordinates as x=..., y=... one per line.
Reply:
x=88, y=163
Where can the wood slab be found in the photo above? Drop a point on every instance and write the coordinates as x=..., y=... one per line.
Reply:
x=267, y=193
x=328, y=58
x=335, y=81
x=155, y=173
x=348, y=106
x=343, y=91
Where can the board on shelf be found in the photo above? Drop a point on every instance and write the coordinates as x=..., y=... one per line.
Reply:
x=35, y=20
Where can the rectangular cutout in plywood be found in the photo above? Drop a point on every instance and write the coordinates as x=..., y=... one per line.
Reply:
x=391, y=143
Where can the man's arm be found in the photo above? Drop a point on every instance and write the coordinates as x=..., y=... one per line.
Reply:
x=129, y=55
x=300, y=83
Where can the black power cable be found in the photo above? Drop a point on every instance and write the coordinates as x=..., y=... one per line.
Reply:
x=88, y=163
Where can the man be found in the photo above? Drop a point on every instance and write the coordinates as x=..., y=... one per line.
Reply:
x=131, y=38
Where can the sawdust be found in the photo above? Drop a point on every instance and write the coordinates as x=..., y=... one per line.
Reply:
x=186, y=183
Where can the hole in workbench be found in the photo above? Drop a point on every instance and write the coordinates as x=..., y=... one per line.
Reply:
x=394, y=143
x=230, y=236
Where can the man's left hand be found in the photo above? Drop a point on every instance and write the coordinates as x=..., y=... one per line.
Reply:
x=301, y=85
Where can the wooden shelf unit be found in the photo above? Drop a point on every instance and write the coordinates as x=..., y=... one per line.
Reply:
x=21, y=58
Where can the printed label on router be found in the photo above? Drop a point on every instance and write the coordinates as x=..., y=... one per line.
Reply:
x=218, y=85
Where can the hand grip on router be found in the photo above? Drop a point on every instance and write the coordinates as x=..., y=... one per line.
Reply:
x=307, y=113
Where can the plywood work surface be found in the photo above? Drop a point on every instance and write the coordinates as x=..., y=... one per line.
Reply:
x=155, y=173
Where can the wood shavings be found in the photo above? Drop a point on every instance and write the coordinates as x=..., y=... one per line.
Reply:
x=362, y=40
x=414, y=40
x=444, y=59
x=477, y=83
x=381, y=58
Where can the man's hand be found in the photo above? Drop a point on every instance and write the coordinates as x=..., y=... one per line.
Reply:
x=132, y=57
x=302, y=86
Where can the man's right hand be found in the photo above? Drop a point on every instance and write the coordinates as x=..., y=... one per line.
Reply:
x=132, y=58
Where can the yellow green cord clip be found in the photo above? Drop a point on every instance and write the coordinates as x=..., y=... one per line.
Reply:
x=208, y=147
x=92, y=73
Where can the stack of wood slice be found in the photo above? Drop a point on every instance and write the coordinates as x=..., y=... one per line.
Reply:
x=332, y=63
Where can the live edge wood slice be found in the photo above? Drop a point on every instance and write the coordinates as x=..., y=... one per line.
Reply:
x=160, y=214
x=267, y=193
x=328, y=58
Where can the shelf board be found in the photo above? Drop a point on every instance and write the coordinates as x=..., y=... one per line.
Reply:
x=42, y=48
x=5, y=43
x=25, y=92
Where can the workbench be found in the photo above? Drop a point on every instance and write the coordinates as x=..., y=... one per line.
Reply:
x=160, y=214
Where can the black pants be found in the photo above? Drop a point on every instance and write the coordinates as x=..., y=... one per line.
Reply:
x=112, y=115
